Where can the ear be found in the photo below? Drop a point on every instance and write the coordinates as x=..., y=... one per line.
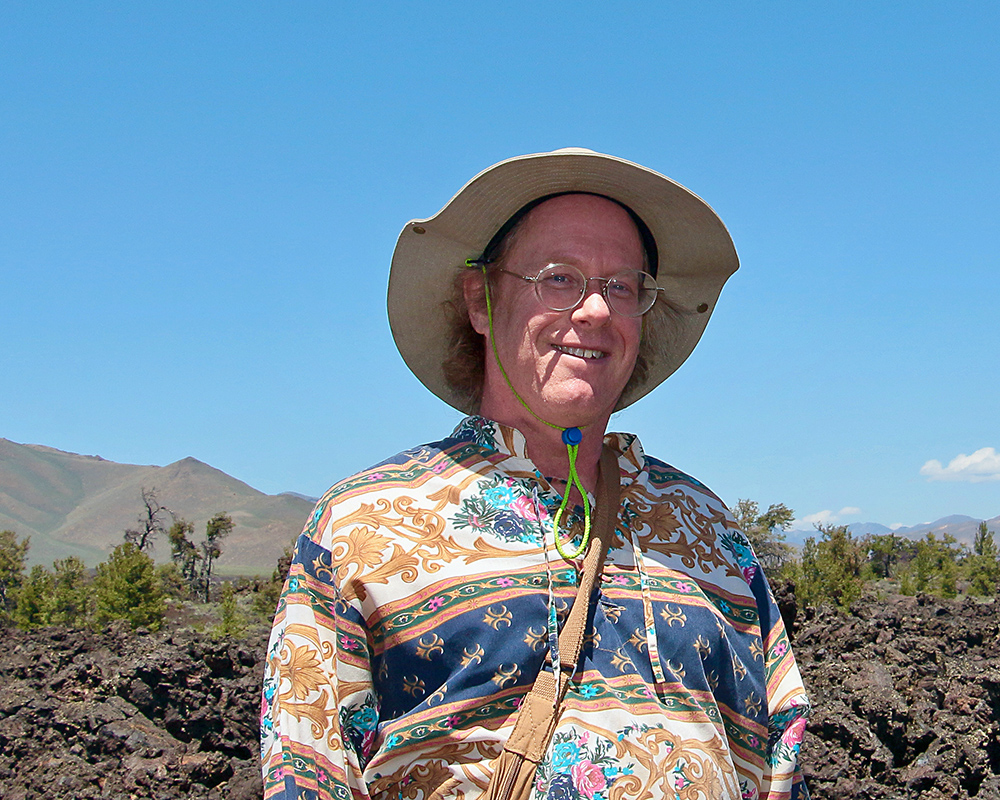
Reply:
x=474, y=291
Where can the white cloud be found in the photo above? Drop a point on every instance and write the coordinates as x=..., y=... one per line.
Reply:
x=983, y=465
x=825, y=517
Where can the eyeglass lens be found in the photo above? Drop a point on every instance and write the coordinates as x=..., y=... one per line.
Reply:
x=630, y=293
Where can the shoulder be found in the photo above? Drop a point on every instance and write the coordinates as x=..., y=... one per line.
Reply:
x=661, y=476
x=657, y=481
x=661, y=484
x=654, y=476
x=410, y=475
x=680, y=515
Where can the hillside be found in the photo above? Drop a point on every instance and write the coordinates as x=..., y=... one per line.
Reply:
x=72, y=504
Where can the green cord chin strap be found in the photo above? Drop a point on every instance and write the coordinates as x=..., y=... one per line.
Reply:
x=571, y=438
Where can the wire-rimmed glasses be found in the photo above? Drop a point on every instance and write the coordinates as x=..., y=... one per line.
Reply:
x=560, y=287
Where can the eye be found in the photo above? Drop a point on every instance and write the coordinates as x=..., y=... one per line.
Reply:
x=624, y=286
x=560, y=277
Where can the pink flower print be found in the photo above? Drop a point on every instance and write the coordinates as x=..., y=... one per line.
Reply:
x=780, y=648
x=684, y=587
x=436, y=603
x=525, y=509
x=583, y=739
x=588, y=778
x=619, y=580
x=438, y=468
x=793, y=733
x=505, y=582
x=453, y=720
x=748, y=573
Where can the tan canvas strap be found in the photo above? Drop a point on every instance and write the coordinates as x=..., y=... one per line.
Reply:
x=536, y=718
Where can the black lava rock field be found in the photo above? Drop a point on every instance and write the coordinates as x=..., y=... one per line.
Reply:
x=906, y=696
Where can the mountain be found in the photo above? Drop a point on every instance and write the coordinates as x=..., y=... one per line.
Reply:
x=963, y=528
x=869, y=528
x=80, y=505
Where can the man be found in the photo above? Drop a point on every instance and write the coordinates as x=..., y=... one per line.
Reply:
x=427, y=593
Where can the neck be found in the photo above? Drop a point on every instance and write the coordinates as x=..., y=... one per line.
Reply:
x=545, y=446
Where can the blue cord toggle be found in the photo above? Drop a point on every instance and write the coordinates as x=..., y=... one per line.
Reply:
x=572, y=436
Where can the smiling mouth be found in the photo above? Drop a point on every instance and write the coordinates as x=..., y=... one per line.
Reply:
x=579, y=352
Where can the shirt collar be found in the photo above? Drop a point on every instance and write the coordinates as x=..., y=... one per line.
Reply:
x=510, y=441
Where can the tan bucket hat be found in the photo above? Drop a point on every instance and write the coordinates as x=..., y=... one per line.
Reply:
x=695, y=253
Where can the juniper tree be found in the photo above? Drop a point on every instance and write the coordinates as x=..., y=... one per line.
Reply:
x=34, y=599
x=832, y=568
x=126, y=588
x=150, y=524
x=232, y=623
x=766, y=532
x=216, y=529
x=183, y=551
x=13, y=555
x=934, y=567
x=983, y=564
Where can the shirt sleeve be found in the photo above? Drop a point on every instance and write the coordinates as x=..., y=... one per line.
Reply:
x=787, y=703
x=319, y=713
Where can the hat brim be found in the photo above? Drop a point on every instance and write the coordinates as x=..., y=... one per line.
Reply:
x=696, y=254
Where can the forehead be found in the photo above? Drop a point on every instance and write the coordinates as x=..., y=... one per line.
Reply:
x=579, y=227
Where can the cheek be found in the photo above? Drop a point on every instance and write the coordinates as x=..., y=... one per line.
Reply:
x=632, y=335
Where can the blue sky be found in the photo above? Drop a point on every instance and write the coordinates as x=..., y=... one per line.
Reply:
x=198, y=204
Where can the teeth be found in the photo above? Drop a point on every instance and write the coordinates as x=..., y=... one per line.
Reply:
x=579, y=352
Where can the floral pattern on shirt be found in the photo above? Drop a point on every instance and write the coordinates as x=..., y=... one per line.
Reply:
x=580, y=765
x=737, y=543
x=358, y=723
x=503, y=508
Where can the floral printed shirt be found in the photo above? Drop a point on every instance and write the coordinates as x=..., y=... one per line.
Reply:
x=417, y=614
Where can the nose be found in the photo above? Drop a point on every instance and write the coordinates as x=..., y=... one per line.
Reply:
x=593, y=307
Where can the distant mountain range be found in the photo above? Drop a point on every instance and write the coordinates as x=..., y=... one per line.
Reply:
x=79, y=505
x=71, y=504
x=963, y=528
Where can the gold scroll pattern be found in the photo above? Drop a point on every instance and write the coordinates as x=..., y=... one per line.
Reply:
x=673, y=523
x=433, y=775
x=689, y=769
x=304, y=689
x=419, y=545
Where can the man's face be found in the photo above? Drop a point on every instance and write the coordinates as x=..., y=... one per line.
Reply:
x=570, y=367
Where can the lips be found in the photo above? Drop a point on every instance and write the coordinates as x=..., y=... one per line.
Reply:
x=579, y=352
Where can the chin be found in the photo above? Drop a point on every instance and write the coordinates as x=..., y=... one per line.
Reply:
x=577, y=408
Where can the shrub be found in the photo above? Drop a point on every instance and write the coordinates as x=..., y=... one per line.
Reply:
x=833, y=569
x=70, y=599
x=34, y=599
x=232, y=623
x=12, y=560
x=126, y=587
